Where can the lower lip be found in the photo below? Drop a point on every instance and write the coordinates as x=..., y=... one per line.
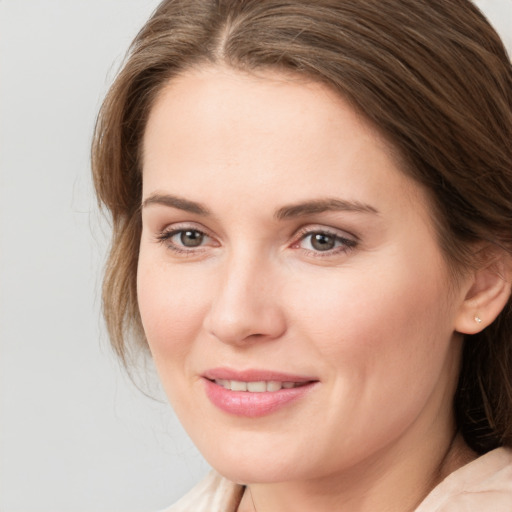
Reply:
x=250, y=404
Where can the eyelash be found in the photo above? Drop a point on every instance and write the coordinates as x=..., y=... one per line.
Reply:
x=344, y=244
x=165, y=238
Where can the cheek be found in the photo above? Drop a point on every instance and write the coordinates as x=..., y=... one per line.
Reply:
x=383, y=340
x=383, y=322
x=171, y=308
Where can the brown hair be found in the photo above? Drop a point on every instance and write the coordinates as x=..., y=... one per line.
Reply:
x=432, y=75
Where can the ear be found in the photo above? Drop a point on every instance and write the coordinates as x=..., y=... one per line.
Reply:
x=488, y=291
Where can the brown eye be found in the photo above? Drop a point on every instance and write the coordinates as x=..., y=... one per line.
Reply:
x=191, y=238
x=326, y=242
x=186, y=240
x=322, y=241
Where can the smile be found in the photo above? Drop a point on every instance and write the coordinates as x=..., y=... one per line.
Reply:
x=254, y=393
x=260, y=386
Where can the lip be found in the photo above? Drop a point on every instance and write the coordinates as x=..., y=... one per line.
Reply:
x=253, y=405
x=253, y=375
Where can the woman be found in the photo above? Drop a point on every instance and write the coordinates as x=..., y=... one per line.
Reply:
x=312, y=207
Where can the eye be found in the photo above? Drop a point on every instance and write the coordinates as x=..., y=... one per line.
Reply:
x=325, y=242
x=322, y=241
x=184, y=240
x=188, y=238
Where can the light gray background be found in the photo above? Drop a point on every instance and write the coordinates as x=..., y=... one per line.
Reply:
x=75, y=434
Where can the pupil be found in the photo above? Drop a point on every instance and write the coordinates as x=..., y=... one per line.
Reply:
x=191, y=238
x=322, y=242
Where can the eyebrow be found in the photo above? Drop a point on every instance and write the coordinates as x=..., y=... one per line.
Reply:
x=321, y=206
x=284, y=213
x=176, y=202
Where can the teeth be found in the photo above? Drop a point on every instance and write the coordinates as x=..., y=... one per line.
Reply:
x=274, y=385
x=257, y=386
x=238, y=385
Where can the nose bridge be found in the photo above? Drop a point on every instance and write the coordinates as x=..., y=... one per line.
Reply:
x=240, y=277
x=245, y=305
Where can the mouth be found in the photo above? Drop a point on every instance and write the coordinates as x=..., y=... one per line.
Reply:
x=254, y=393
x=259, y=386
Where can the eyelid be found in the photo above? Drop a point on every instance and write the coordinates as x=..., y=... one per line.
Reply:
x=184, y=226
x=163, y=236
x=166, y=234
x=318, y=228
x=348, y=241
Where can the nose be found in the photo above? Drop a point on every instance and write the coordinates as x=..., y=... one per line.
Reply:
x=245, y=307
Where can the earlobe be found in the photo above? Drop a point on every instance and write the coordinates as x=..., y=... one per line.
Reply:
x=488, y=292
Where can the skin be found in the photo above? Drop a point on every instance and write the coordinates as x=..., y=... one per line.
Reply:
x=373, y=319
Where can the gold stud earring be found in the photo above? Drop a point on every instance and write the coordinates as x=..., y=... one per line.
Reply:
x=478, y=320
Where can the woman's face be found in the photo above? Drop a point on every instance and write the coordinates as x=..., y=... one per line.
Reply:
x=293, y=294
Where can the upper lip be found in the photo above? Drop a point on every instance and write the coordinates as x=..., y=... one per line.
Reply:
x=254, y=375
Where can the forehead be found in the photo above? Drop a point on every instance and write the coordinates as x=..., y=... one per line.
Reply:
x=208, y=102
x=266, y=132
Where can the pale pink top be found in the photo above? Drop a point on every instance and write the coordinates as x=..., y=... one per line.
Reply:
x=484, y=485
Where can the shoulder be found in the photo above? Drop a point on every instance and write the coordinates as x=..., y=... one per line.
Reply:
x=213, y=494
x=484, y=484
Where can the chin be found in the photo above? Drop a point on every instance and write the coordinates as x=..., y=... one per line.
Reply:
x=257, y=462
x=254, y=472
